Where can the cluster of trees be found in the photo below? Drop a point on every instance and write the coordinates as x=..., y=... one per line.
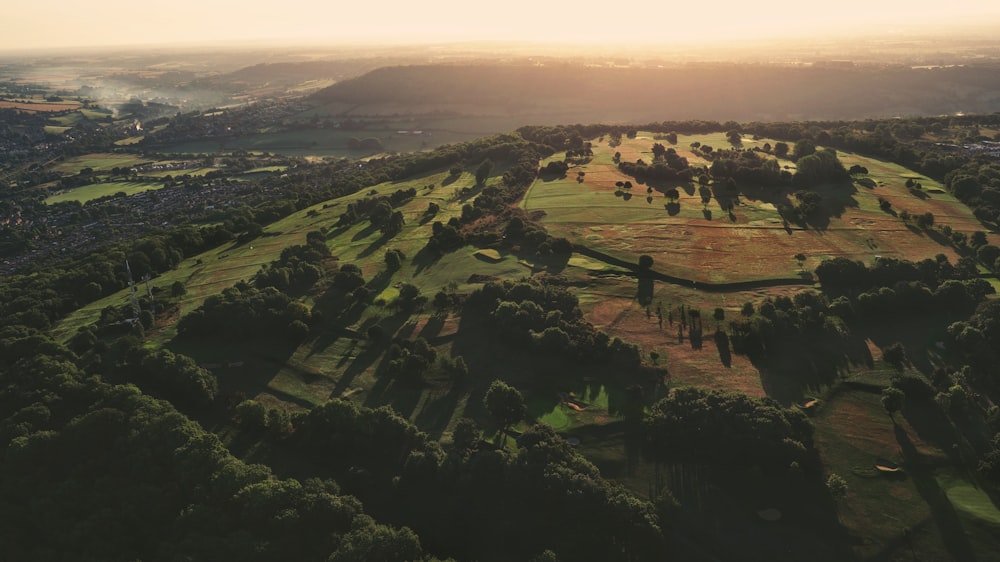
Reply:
x=727, y=428
x=930, y=285
x=475, y=501
x=378, y=210
x=977, y=340
x=96, y=471
x=544, y=315
x=748, y=168
x=243, y=312
x=667, y=166
x=298, y=267
x=493, y=220
x=818, y=167
x=803, y=330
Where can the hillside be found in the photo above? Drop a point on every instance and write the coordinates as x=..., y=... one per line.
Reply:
x=567, y=93
x=695, y=344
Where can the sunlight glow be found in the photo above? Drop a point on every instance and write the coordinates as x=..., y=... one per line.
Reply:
x=117, y=22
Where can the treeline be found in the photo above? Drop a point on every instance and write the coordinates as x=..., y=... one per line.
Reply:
x=728, y=428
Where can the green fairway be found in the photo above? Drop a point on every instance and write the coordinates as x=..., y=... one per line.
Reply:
x=98, y=190
x=971, y=500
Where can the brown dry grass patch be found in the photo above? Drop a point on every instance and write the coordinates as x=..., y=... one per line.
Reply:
x=41, y=107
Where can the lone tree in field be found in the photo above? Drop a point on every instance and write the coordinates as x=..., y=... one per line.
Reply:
x=892, y=401
x=505, y=405
x=483, y=171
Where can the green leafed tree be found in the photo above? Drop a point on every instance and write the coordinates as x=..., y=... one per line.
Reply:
x=483, y=171
x=505, y=404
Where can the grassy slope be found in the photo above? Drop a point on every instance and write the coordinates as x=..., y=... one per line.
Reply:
x=710, y=247
x=339, y=363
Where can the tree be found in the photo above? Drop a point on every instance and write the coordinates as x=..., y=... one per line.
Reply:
x=177, y=289
x=645, y=261
x=394, y=259
x=465, y=436
x=804, y=147
x=505, y=405
x=781, y=149
x=892, y=400
x=895, y=355
x=483, y=171
x=837, y=486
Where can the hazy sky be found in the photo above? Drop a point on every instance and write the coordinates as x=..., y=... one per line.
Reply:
x=62, y=23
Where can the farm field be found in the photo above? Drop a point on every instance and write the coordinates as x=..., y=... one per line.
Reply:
x=40, y=106
x=98, y=162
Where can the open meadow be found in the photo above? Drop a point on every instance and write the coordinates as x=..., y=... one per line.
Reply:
x=705, y=244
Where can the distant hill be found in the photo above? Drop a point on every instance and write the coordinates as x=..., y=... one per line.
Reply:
x=722, y=92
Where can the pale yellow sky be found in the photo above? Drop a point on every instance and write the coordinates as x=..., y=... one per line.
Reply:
x=65, y=23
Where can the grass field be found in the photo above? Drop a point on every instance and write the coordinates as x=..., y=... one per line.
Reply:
x=40, y=106
x=99, y=162
x=706, y=245
x=97, y=190
x=434, y=132
x=931, y=507
x=934, y=508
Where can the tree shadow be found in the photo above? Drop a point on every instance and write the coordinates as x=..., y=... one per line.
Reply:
x=722, y=343
x=695, y=337
x=942, y=511
x=438, y=411
x=672, y=208
x=424, y=259
x=707, y=213
x=371, y=352
x=796, y=373
x=644, y=295
x=378, y=243
x=432, y=327
x=365, y=233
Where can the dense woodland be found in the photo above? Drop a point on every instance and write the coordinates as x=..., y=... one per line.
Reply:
x=108, y=445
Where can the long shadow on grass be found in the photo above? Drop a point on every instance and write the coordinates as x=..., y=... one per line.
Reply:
x=242, y=369
x=378, y=243
x=437, y=412
x=788, y=379
x=369, y=354
x=401, y=395
x=943, y=512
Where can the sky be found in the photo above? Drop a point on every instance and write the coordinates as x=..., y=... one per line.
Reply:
x=71, y=23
